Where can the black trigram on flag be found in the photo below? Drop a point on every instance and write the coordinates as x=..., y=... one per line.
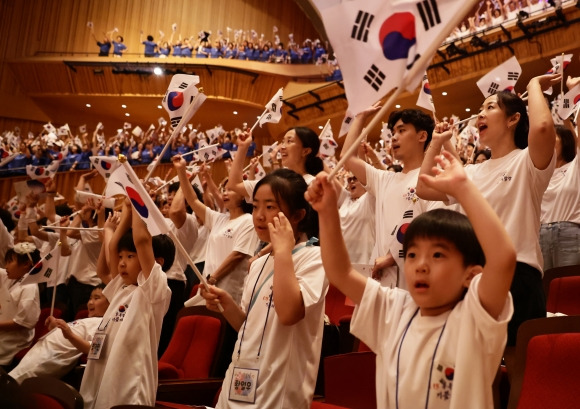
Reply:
x=493, y=88
x=48, y=272
x=408, y=214
x=274, y=107
x=360, y=29
x=48, y=256
x=375, y=77
x=183, y=85
x=429, y=13
x=175, y=121
x=513, y=76
x=401, y=254
x=268, y=117
x=566, y=104
x=347, y=120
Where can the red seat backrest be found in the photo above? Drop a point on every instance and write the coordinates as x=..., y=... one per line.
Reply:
x=193, y=346
x=335, y=307
x=564, y=295
x=551, y=375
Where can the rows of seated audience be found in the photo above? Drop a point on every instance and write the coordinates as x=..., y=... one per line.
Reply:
x=254, y=240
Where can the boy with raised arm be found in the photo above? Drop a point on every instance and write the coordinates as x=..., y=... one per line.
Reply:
x=122, y=362
x=454, y=316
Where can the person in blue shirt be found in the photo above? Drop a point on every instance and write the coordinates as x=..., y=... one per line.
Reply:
x=319, y=51
x=119, y=47
x=186, y=48
x=105, y=46
x=216, y=50
x=150, y=46
x=165, y=49
x=293, y=53
x=203, y=50
x=241, y=53
x=230, y=52
x=306, y=52
x=280, y=53
x=253, y=52
x=265, y=54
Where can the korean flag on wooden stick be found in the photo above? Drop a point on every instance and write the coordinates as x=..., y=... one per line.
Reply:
x=569, y=102
x=378, y=43
x=559, y=65
x=124, y=181
x=425, y=99
x=46, y=270
x=501, y=78
x=179, y=97
x=273, y=111
x=105, y=165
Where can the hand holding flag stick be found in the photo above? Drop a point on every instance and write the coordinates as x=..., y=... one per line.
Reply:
x=464, y=120
x=124, y=181
x=418, y=66
x=273, y=111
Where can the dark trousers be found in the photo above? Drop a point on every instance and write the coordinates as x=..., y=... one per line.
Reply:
x=528, y=296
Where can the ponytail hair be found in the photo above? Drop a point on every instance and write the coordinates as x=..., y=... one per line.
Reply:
x=309, y=139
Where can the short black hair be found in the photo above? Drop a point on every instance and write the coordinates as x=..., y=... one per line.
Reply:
x=420, y=121
x=163, y=247
x=6, y=218
x=309, y=139
x=149, y=38
x=448, y=225
x=567, y=142
x=63, y=210
x=174, y=187
x=485, y=152
x=22, y=259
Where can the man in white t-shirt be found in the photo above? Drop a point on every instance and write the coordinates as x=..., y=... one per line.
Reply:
x=397, y=203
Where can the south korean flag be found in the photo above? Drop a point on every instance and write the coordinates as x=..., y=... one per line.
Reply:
x=501, y=78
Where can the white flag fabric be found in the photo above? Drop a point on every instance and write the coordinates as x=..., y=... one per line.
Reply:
x=125, y=182
x=196, y=182
x=569, y=102
x=105, y=165
x=83, y=128
x=46, y=270
x=346, y=122
x=180, y=95
x=326, y=132
x=425, y=99
x=63, y=130
x=267, y=150
x=501, y=78
x=82, y=197
x=213, y=135
x=274, y=108
x=137, y=131
x=49, y=128
x=153, y=163
x=377, y=42
x=559, y=65
x=41, y=172
x=126, y=125
x=259, y=172
x=386, y=134
x=328, y=147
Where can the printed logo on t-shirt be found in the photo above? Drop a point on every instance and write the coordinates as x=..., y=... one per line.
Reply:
x=443, y=384
x=411, y=194
x=229, y=233
x=120, y=314
x=505, y=178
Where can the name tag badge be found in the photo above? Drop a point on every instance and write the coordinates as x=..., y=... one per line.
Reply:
x=243, y=385
x=97, y=346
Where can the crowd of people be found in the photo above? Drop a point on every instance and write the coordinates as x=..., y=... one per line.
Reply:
x=455, y=245
x=244, y=45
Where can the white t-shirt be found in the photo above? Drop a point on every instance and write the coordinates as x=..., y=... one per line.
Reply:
x=514, y=187
x=126, y=372
x=200, y=248
x=21, y=304
x=227, y=235
x=561, y=201
x=84, y=256
x=357, y=222
x=472, y=344
x=53, y=354
x=289, y=354
x=187, y=235
x=397, y=205
x=6, y=242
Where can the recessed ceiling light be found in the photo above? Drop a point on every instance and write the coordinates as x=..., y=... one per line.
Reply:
x=444, y=93
x=123, y=106
x=88, y=105
x=127, y=114
x=467, y=109
x=235, y=112
x=397, y=106
x=320, y=127
x=159, y=107
x=157, y=71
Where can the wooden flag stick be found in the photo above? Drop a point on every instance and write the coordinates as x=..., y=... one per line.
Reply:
x=465, y=120
x=197, y=150
x=72, y=228
x=259, y=119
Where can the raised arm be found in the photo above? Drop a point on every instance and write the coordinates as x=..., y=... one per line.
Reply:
x=104, y=271
x=356, y=165
x=236, y=176
x=198, y=207
x=497, y=246
x=113, y=247
x=542, y=135
x=335, y=259
x=211, y=187
x=177, y=211
x=143, y=244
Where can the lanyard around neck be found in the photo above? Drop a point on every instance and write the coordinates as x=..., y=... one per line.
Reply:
x=432, y=360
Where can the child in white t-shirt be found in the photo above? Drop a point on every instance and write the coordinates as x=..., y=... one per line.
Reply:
x=56, y=353
x=439, y=344
x=122, y=361
x=19, y=304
